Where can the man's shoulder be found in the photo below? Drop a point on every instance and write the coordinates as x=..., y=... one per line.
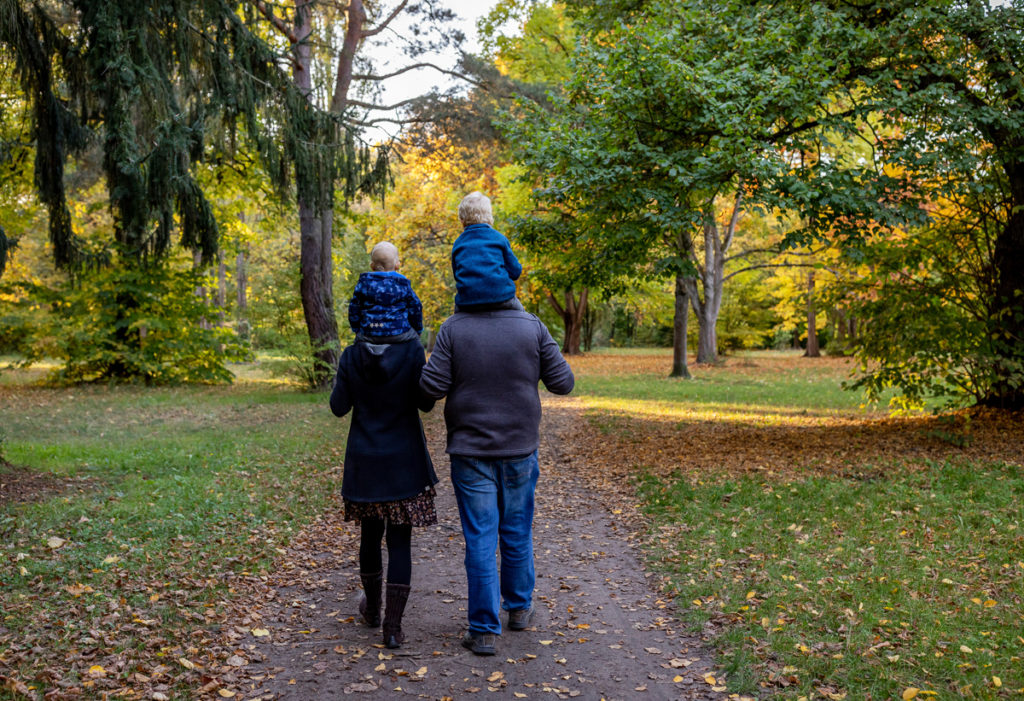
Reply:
x=495, y=317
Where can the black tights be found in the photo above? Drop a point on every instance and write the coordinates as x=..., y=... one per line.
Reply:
x=399, y=539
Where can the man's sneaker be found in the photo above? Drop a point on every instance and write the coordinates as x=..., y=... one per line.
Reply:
x=520, y=618
x=479, y=643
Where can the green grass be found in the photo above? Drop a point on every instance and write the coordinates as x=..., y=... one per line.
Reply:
x=859, y=587
x=182, y=488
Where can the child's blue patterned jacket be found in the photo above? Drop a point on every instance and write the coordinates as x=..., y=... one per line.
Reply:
x=383, y=304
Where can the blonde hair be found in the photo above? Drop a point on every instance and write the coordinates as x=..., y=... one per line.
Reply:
x=475, y=208
x=384, y=257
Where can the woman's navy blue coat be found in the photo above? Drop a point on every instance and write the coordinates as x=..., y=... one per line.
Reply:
x=386, y=456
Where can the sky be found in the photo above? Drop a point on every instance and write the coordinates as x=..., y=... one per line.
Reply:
x=420, y=81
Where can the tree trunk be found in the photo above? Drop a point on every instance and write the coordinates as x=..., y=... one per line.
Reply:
x=315, y=227
x=201, y=291
x=317, y=297
x=572, y=313
x=222, y=288
x=241, y=285
x=813, y=350
x=1006, y=319
x=679, y=328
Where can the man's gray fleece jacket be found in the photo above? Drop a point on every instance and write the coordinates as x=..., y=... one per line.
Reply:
x=488, y=364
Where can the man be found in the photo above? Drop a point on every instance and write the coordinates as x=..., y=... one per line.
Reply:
x=488, y=363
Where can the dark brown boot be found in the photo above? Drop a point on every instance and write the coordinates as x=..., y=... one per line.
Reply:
x=394, y=608
x=369, y=603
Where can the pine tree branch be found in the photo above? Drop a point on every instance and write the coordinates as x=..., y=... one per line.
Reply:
x=278, y=23
x=366, y=33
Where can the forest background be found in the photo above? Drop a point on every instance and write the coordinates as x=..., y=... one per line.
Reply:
x=189, y=190
x=738, y=175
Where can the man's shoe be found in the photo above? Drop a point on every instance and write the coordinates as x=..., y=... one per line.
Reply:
x=520, y=618
x=479, y=643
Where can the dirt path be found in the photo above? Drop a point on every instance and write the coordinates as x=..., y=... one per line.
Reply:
x=600, y=631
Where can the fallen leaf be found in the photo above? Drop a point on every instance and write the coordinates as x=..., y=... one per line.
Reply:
x=226, y=693
x=495, y=676
x=652, y=650
x=97, y=671
x=260, y=632
x=186, y=663
x=910, y=692
x=421, y=671
x=54, y=542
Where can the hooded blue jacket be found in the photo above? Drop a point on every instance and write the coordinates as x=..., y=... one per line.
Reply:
x=383, y=304
x=386, y=456
x=484, y=266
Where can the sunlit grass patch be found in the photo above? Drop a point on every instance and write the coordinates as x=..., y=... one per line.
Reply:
x=858, y=587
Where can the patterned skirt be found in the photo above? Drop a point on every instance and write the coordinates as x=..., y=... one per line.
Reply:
x=414, y=511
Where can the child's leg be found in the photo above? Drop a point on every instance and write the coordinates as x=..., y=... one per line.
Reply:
x=399, y=540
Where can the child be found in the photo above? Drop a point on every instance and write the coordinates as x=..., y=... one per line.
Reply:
x=483, y=263
x=383, y=304
x=388, y=481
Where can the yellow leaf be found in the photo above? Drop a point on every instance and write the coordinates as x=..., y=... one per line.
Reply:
x=698, y=602
x=965, y=649
x=421, y=671
x=976, y=600
x=910, y=692
x=496, y=676
x=186, y=663
x=97, y=671
x=997, y=682
x=155, y=596
x=226, y=693
x=110, y=559
x=380, y=668
x=260, y=632
x=22, y=570
x=53, y=542
x=678, y=678
x=710, y=679
x=519, y=695
x=989, y=603
x=751, y=595
x=546, y=642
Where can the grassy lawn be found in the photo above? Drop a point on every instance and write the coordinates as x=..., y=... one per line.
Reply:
x=894, y=570
x=832, y=550
x=176, y=496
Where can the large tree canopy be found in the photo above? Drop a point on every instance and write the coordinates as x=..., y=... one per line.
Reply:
x=158, y=86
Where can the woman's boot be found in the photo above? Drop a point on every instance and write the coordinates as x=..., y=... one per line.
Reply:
x=394, y=608
x=369, y=603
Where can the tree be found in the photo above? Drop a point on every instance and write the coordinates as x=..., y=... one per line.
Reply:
x=158, y=88
x=939, y=87
x=665, y=114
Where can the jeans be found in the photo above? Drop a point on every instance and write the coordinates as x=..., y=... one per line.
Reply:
x=495, y=500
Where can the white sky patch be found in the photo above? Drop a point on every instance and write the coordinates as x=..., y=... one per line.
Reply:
x=388, y=57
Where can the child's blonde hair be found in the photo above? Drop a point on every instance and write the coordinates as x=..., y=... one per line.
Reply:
x=475, y=208
x=384, y=257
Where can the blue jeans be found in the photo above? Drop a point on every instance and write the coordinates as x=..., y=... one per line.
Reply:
x=495, y=500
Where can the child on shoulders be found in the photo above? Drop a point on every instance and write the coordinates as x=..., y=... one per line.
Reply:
x=483, y=263
x=383, y=304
